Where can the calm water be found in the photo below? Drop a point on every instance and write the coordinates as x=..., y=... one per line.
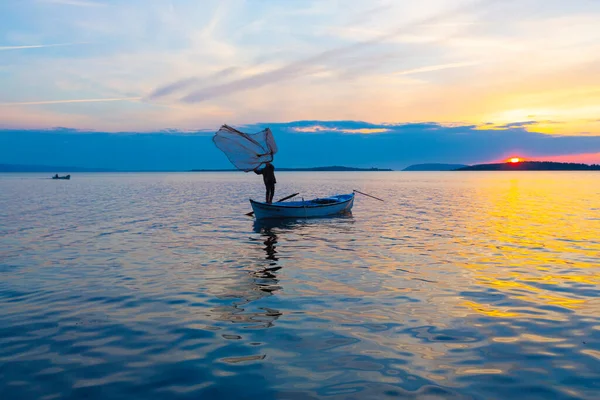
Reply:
x=157, y=286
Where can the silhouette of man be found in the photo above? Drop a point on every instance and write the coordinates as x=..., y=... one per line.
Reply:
x=268, y=173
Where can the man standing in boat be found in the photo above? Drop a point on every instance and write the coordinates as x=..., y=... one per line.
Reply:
x=268, y=173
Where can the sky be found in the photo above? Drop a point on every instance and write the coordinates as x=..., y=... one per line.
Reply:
x=443, y=81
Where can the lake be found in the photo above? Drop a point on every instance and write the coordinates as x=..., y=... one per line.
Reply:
x=461, y=285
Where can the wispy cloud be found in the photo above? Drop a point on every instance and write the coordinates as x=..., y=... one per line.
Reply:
x=78, y=3
x=518, y=124
x=37, y=103
x=186, y=82
x=432, y=68
x=370, y=13
x=39, y=46
x=173, y=87
x=396, y=61
x=302, y=67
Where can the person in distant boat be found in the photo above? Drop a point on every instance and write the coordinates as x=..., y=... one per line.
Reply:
x=268, y=173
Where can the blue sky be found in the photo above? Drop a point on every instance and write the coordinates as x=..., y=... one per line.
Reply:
x=154, y=65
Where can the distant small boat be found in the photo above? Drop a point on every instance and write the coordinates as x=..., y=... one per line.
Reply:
x=320, y=207
x=67, y=177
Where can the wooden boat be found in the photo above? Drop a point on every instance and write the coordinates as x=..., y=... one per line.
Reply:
x=320, y=207
x=67, y=177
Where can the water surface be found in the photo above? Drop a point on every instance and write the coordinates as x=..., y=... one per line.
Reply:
x=471, y=285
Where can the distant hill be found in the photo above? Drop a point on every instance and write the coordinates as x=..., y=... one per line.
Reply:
x=312, y=169
x=333, y=168
x=434, y=167
x=62, y=169
x=47, y=168
x=532, y=166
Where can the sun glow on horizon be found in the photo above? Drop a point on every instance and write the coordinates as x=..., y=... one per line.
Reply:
x=514, y=160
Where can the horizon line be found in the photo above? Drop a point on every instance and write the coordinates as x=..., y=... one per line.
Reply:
x=332, y=168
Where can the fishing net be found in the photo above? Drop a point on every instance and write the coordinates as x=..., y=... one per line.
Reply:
x=247, y=151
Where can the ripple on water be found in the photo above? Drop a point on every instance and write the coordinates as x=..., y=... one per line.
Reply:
x=150, y=286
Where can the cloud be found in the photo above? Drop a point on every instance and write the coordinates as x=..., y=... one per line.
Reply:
x=520, y=124
x=409, y=143
x=320, y=128
x=585, y=158
x=183, y=83
x=301, y=144
x=432, y=68
x=78, y=3
x=39, y=46
x=173, y=87
x=298, y=68
x=173, y=50
x=37, y=103
x=371, y=13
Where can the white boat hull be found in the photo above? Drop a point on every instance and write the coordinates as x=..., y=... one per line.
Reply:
x=321, y=207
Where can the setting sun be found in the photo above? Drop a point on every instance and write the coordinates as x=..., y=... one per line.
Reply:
x=515, y=160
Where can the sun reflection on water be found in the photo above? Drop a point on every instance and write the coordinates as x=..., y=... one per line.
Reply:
x=530, y=232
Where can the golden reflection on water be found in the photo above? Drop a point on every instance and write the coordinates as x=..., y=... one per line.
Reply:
x=537, y=235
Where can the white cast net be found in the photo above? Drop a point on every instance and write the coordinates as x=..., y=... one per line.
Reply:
x=247, y=151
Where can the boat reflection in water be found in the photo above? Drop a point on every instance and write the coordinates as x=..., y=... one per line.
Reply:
x=268, y=226
x=265, y=278
x=260, y=279
x=257, y=282
x=269, y=229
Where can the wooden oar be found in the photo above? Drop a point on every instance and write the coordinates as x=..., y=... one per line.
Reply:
x=279, y=201
x=368, y=195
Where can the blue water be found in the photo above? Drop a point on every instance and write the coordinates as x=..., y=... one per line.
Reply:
x=157, y=286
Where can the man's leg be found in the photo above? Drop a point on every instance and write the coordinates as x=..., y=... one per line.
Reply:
x=270, y=192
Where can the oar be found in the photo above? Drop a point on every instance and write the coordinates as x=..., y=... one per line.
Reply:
x=368, y=195
x=288, y=197
x=279, y=201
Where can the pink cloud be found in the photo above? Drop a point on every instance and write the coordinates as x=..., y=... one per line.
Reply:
x=585, y=158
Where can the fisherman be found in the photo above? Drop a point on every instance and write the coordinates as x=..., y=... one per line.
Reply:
x=268, y=173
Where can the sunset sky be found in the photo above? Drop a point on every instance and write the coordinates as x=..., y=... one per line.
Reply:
x=527, y=66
